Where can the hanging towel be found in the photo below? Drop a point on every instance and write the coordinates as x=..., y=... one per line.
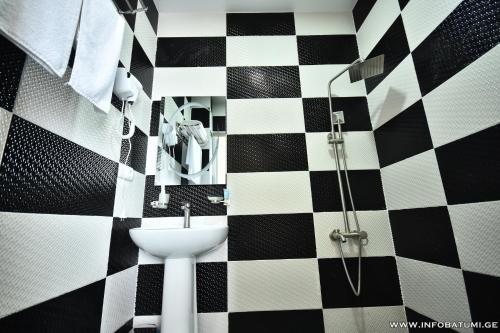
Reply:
x=193, y=159
x=44, y=29
x=97, y=53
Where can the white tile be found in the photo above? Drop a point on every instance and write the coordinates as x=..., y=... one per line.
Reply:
x=364, y=320
x=216, y=322
x=129, y=195
x=394, y=94
x=261, y=51
x=127, y=43
x=189, y=81
x=435, y=291
x=265, y=116
x=119, y=299
x=142, y=112
x=324, y=23
x=48, y=102
x=420, y=19
x=5, y=119
x=375, y=223
x=414, y=182
x=146, y=36
x=314, y=82
x=192, y=25
x=262, y=285
x=147, y=321
x=151, y=157
x=216, y=255
x=269, y=193
x=466, y=103
x=360, y=151
x=476, y=230
x=45, y=256
x=381, y=17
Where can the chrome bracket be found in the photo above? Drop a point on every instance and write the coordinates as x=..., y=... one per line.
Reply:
x=331, y=140
x=338, y=116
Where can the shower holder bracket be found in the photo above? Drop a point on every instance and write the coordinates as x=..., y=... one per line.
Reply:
x=338, y=116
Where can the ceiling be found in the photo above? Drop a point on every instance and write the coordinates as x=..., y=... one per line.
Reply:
x=172, y=6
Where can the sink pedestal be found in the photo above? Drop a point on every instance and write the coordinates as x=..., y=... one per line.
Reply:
x=179, y=313
x=179, y=248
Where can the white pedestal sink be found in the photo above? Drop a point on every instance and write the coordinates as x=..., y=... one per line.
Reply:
x=179, y=247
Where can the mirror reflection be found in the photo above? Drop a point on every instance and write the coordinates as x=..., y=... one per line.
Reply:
x=192, y=141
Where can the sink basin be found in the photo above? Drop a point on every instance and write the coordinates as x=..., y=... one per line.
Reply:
x=178, y=247
x=178, y=242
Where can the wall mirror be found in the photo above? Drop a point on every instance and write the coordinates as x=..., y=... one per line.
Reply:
x=192, y=141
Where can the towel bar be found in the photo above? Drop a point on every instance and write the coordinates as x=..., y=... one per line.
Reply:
x=131, y=10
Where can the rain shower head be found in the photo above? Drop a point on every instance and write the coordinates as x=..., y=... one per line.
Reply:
x=366, y=69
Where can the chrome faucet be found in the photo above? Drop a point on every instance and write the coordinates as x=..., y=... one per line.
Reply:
x=186, y=207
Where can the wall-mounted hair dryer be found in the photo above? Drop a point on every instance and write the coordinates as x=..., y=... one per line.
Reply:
x=127, y=89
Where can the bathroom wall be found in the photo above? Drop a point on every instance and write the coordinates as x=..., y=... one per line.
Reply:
x=278, y=271
x=66, y=261
x=437, y=127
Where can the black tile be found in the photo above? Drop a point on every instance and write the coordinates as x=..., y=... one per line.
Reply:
x=116, y=102
x=155, y=118
x=219, y=123
x=191, y=52
x=202, y=115
x=138, y=152
x=263, y=237
x=403, y=3
x=466, y=34
x=403, y=136
x=122, y=4
x=123, y=253
x=77, y=311
x=179, y=101
x=146, y=330
x=412, y=239
x=211, y=286
x=366, y=186
x=361, y=11
x=260, y=24
x=317, y=118
x=266, y=152
x=482, y=291
x=205, y=157
x=379, y=282
x=415, y=317
x=263, y=82
x=152, y=14
x=195, y=194
x=470, y=167
x=127, y=327
x=327, y=49
x=149, y=290
x=295, y=321
x=44, y=173
x=11, y=68
x=394, y=46
x=142, y=68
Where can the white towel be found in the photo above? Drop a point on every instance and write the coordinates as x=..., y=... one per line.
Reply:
x=44, y=29
x=97, y=52
x=193, y=159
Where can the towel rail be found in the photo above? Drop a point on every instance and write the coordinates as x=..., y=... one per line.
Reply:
x=131, y=10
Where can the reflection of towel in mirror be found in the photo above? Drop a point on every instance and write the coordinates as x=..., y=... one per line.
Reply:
x=193, y=159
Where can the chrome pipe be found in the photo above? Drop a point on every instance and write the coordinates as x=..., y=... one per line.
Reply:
x=187, y=214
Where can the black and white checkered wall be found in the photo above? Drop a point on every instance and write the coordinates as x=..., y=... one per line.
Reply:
x=436, y=119
x=67, y=263
x=278, y=271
